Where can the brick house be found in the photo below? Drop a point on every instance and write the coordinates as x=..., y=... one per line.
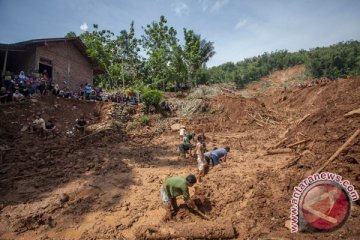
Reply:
x=65, y=60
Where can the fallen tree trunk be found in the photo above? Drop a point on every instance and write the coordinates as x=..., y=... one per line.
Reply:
x=353, y=113
x=340, y=149
x=278, y=144
x=278, y=151
x=293, y=162
x=297, y=143
x=303, y=119
x=222, y=229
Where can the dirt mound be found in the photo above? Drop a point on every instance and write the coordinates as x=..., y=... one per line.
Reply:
x=257, y=195
x=326, y=127
x=277, y=80
x=105, y=185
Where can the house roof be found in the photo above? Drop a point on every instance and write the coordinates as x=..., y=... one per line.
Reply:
x=23, y=46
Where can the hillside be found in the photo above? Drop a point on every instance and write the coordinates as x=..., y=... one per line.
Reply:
x=105, y=185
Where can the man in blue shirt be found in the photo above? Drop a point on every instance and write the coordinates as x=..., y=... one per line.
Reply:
x=217, y=154
x=87, y=91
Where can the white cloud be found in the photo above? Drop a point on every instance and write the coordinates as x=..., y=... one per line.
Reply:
x=84, y=27
x=181, y=8
x=218, y=4
x=241, y=24
x=212, y=5
x=205, y=4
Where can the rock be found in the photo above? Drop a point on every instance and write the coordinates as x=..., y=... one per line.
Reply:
x=125, y=208
x=288, y=224
x=64, y=198
x=24, y=128
x=175, y=126
x=34, y=100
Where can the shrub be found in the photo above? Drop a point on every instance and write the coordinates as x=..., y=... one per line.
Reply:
x=152, y=98
x=144, y=120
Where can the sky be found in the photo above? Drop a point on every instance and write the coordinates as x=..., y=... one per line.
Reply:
x=238, y=28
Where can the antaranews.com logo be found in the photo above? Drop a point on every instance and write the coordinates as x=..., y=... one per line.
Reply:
x=321, y=202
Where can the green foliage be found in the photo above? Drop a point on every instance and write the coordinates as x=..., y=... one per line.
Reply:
x=152, y=98
x=70, y=34
x=165, y=66
x=336, y=61
x=167, y=63
x=116, y=55
x=144, y=120
x=196, y=53
x=159, y=43
x=339, y=60
x=252, y=69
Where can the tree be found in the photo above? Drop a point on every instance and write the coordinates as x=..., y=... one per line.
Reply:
x=159, y=42
x=128, y=52
x=117, y=55
x=178, y=69
x=70, y=34
x=196, y=52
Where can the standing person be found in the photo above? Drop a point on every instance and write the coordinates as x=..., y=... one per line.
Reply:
x=42, y=86
x=81, y=92
x=182, y=131
x=22, y=78
x=218, y=154
x=173, y=187
x=87, y=91
x=200, y=157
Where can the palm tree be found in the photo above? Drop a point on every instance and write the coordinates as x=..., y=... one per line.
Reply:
x=207, y=50
x=196, y=52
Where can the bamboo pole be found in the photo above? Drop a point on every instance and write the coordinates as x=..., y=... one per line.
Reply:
x=297, y=143
x=340, y=149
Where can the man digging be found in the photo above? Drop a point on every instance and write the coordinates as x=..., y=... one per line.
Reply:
x=219, y=155
x=80, y=124
x=186, y=146
x=173, y=187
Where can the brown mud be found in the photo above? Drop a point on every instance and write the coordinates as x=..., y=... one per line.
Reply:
x=106, y=185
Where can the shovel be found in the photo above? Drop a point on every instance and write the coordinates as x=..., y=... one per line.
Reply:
x=201, y=214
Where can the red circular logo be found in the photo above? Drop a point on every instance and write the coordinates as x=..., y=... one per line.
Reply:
x=325, y=205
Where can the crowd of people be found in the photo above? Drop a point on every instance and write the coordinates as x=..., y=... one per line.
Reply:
x=18, y=88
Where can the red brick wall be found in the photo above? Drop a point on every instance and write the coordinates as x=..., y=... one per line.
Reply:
x=65, y=56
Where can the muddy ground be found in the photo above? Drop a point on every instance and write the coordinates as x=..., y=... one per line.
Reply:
x=105, y=184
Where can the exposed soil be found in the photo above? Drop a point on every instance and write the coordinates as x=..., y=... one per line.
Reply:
x=106, y=185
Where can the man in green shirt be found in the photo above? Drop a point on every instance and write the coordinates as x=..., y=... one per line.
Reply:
x=173, y=187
